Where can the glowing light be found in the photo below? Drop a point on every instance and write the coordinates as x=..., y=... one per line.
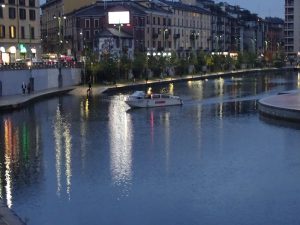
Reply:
x=149, y=91
x=12, y=50
x=122, y=17
x=171, y=88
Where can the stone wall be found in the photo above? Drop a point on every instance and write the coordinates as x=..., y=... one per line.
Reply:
x=11, y=80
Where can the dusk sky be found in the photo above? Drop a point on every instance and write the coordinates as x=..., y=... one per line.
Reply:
x=273, y=8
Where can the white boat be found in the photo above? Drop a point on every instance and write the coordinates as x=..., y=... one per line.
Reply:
x=139, y=99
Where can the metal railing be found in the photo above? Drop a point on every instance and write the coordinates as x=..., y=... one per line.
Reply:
x=40, y=65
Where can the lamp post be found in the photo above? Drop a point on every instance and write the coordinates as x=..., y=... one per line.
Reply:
x=83, y=57
x=60, y=80
x=218, y=37
x=164, y=36
x=253, y=40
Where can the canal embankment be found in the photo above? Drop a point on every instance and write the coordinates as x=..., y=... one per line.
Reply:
x=284, y=106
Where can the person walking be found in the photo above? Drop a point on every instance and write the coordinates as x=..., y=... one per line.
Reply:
x=23, y=88
x=88, y=92
x=28, y=88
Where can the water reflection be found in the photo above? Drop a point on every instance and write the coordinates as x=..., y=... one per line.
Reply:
x=219, y=91
x=120, y=132
x=20, y=155
x=8, y=160
x=63, y=147
x=84, y=113
x=215, y=113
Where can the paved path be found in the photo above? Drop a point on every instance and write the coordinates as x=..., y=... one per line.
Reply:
x=8, y=217
x=16, y=101
x=285, y=105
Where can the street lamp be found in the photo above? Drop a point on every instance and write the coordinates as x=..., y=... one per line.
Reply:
x=253, y=40
x=60, y=39
x=164, y=36
x=59, y=19
x=218, y=37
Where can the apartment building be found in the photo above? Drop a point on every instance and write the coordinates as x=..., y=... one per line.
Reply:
x=191, y=28
x=20, y=37
x=156, y=27
x=53, y=22
x=292, y=27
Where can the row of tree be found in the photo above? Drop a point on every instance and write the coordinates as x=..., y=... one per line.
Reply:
x=111, y=69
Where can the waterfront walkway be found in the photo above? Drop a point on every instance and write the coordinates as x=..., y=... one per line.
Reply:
x=284, y=106
x=8, y=217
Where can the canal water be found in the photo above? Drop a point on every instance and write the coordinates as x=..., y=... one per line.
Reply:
x=75, y=160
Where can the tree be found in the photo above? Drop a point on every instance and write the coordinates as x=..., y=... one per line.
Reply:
x=200, y=62
x=139, y=65
x=125, y=66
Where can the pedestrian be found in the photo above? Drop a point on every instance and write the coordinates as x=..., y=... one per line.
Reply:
x=23, y=88
x=90, y=84
x=88, y=92
x=28, y=88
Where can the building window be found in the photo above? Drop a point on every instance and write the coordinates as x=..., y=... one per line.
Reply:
x=22, y=14
x=96, y=23
x=22, y=2
x=1, y=12
x=31, y=33
x=11, y=2
x=2, y=31
x=32, y=14
x=87, y=34
x=11, y=13
x=158, y=20
x=22, y=32
x=31, y=3
x=96, y=32
x=87, y=23
x=12, y=32
x=153, y=21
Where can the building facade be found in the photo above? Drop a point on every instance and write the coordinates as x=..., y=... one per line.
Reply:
x=20, y=37
x=292, y=27
x=157, y=27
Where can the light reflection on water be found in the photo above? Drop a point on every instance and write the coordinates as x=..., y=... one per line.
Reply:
x=63, y=139
x=120, y=130
x=69, y=158
x=8, y=160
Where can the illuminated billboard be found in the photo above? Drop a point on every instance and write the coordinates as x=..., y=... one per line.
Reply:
x=118, y=17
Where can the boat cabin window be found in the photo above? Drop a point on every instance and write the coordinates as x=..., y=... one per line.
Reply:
x=155, y=96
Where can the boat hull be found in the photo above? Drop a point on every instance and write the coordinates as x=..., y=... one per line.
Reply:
x=147, y=103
